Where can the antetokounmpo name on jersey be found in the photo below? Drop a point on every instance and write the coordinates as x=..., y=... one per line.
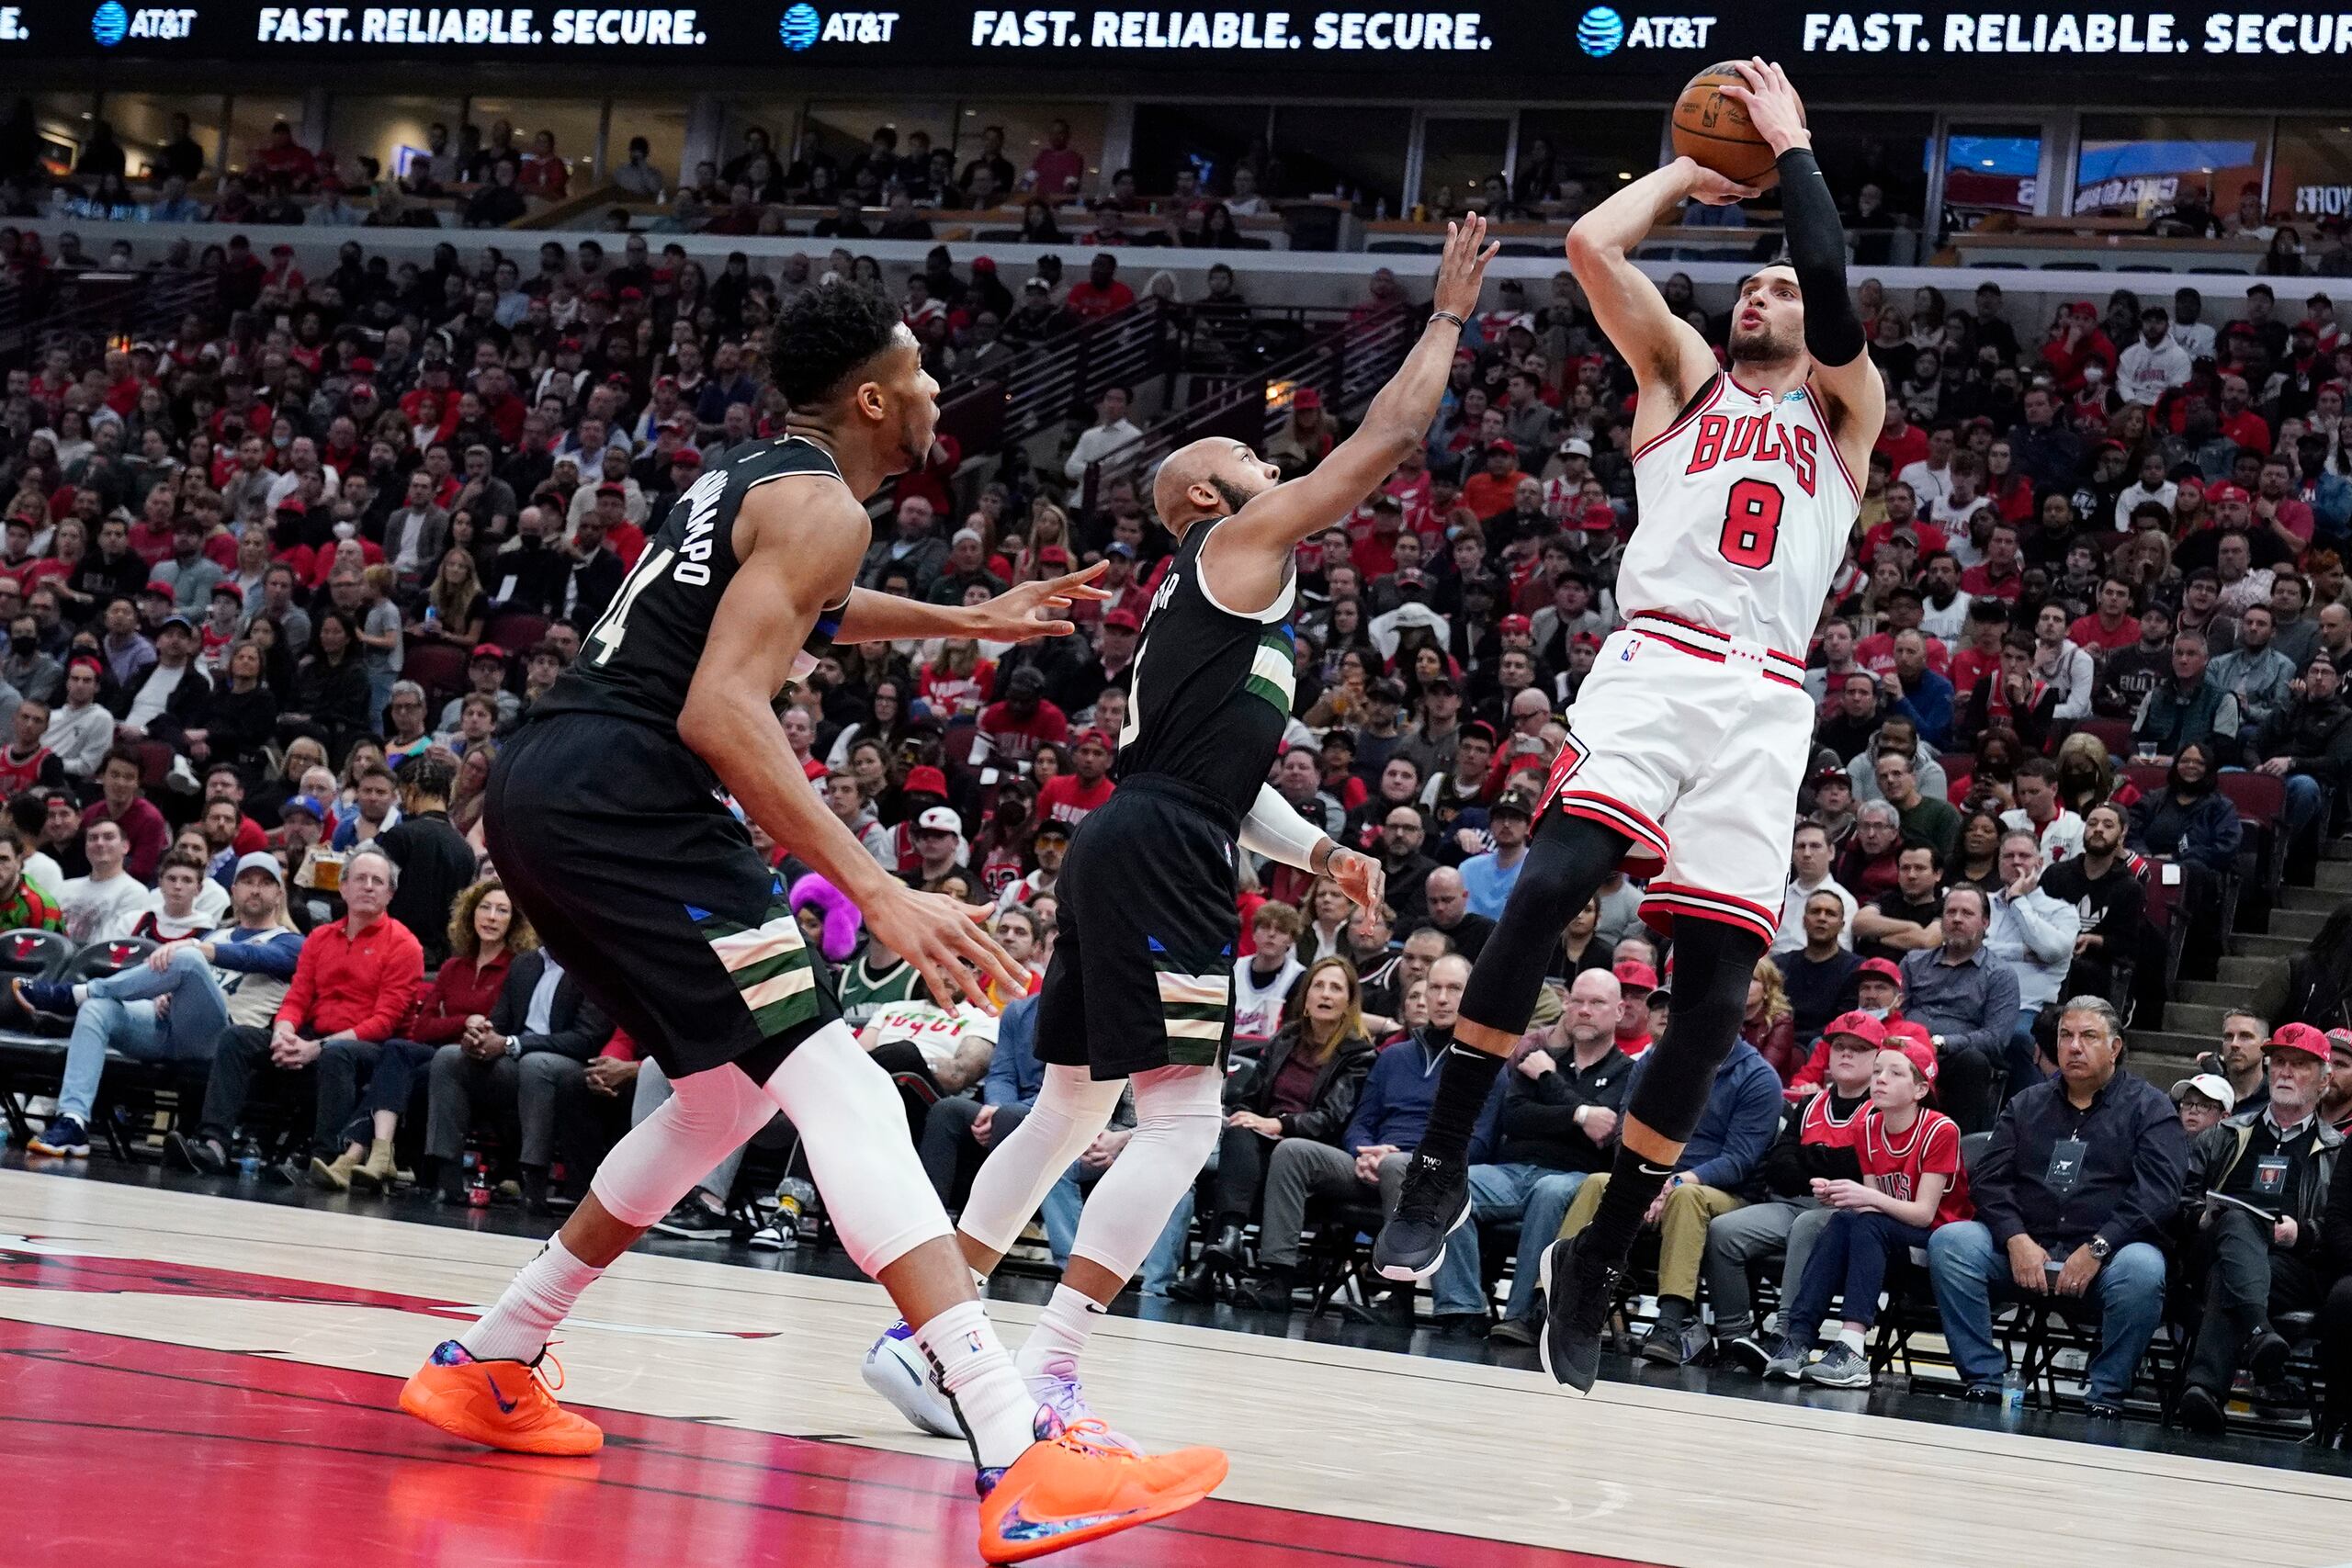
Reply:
x=1722, y=438
x=701, y=501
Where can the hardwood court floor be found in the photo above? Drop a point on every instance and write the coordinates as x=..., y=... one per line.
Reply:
x=192, y=1380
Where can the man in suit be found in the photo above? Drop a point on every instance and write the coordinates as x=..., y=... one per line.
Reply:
x=525, y=1063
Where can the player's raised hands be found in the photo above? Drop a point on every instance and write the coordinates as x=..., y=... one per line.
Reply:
x=944, y=939
x=1462, y=270
x=1032, y=610
x=1772, y=104
x=1711, y=189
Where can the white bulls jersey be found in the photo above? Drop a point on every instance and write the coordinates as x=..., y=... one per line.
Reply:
x=1746, y=508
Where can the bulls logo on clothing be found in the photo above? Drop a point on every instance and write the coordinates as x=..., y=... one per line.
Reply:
x=1761, y=438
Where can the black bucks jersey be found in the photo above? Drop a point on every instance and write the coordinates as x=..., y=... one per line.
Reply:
x=1211, y=689
x=609, y=834
x=1142, y=973
x=638, y=658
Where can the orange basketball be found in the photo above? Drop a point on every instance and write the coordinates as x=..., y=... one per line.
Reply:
x=1714, y=130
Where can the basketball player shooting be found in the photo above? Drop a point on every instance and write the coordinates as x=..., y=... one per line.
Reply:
x=606, y=825
x=1139, y=991
x=1687, y=742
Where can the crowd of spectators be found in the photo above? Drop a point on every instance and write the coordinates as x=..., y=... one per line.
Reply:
x=276, y=588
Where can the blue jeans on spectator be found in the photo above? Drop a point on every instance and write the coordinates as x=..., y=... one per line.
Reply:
x=1536, y=1195
x=1849, y=1261
x=119, y=1012
x=1970, y=1273
x=2302, y=803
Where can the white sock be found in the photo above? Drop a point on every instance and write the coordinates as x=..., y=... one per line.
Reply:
x=516, y=1329
x=1851, y=1338
x=998, y=1413
x=80, y=992
x=1061, y=1334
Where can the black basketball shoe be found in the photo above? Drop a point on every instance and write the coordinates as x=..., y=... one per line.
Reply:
x=1431, y=1205
x=1576, y=1297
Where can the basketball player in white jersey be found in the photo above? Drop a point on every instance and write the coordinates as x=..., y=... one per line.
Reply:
x=1687, y=742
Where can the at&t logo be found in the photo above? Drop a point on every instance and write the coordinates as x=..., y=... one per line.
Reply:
x=803, y=26
x=1602, y=32
x=110, y=23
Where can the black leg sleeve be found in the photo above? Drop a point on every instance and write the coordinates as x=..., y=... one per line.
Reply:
x=1566, y=863
x=1712, y=965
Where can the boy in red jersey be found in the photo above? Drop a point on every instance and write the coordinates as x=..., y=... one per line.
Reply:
x=1911, y=1181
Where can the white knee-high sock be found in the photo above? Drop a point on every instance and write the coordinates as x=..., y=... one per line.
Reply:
x=1060, y=1336
x=998, y=1415
x=1178, y=1116
x=1013, y=1180
x=541, y=1296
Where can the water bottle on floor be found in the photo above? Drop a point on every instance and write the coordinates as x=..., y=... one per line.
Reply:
x=2012, y=1396
x=796, y=1209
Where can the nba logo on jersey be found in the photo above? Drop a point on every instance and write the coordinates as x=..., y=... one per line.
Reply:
x=1632, y=646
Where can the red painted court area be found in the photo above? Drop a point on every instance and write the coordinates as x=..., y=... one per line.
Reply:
x=117, y=1450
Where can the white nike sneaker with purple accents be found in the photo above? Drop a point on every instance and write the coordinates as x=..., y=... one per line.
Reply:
x=1056, y=1385
x=897, y=1369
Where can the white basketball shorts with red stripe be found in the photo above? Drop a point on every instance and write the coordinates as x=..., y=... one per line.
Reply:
x=1693, y=744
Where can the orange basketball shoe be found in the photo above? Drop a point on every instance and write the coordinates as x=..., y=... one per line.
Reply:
x=499, y=1405
x=1075, y=1483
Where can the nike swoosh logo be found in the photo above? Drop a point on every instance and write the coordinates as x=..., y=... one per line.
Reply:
x=506, y=1405
x=1018, y=1526
x=1649, y=1169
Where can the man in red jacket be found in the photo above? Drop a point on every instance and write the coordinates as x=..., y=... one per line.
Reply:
x=353, y=983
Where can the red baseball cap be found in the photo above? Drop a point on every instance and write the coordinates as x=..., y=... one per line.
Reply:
x=2341, y=1039
x=1056, y=553
x=1915, y=1032
x=1307, y=398
x=1884, y=968
x=686, y=457
x=2299, y=1037
x=1124, y=619
x=926, y=780
x=1636, y=975
x=1921, y=1056
x=1861, y=1025
x=1093, y=738
x=487, y=651
x=2217, y=494
x=1507, y=446
x=1515, y=623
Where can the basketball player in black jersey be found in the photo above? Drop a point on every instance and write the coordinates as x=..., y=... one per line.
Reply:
x=1139, y=992
x=605, y=821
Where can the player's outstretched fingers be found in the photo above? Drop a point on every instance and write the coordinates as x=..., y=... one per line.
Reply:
x=980, y=952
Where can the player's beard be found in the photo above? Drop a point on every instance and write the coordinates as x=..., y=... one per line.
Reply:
x=916, y=436
x=1764, y=347
x=1232, y=495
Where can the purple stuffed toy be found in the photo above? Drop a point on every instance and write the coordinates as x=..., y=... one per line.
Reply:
x=841, y=916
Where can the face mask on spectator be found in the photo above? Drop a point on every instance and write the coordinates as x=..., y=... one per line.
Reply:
x=21, y=646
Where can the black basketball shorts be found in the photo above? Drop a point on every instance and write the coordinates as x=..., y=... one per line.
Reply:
x=1142, y=974
x=609, y=835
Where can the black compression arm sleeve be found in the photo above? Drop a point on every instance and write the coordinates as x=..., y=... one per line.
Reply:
x=1833, y=333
